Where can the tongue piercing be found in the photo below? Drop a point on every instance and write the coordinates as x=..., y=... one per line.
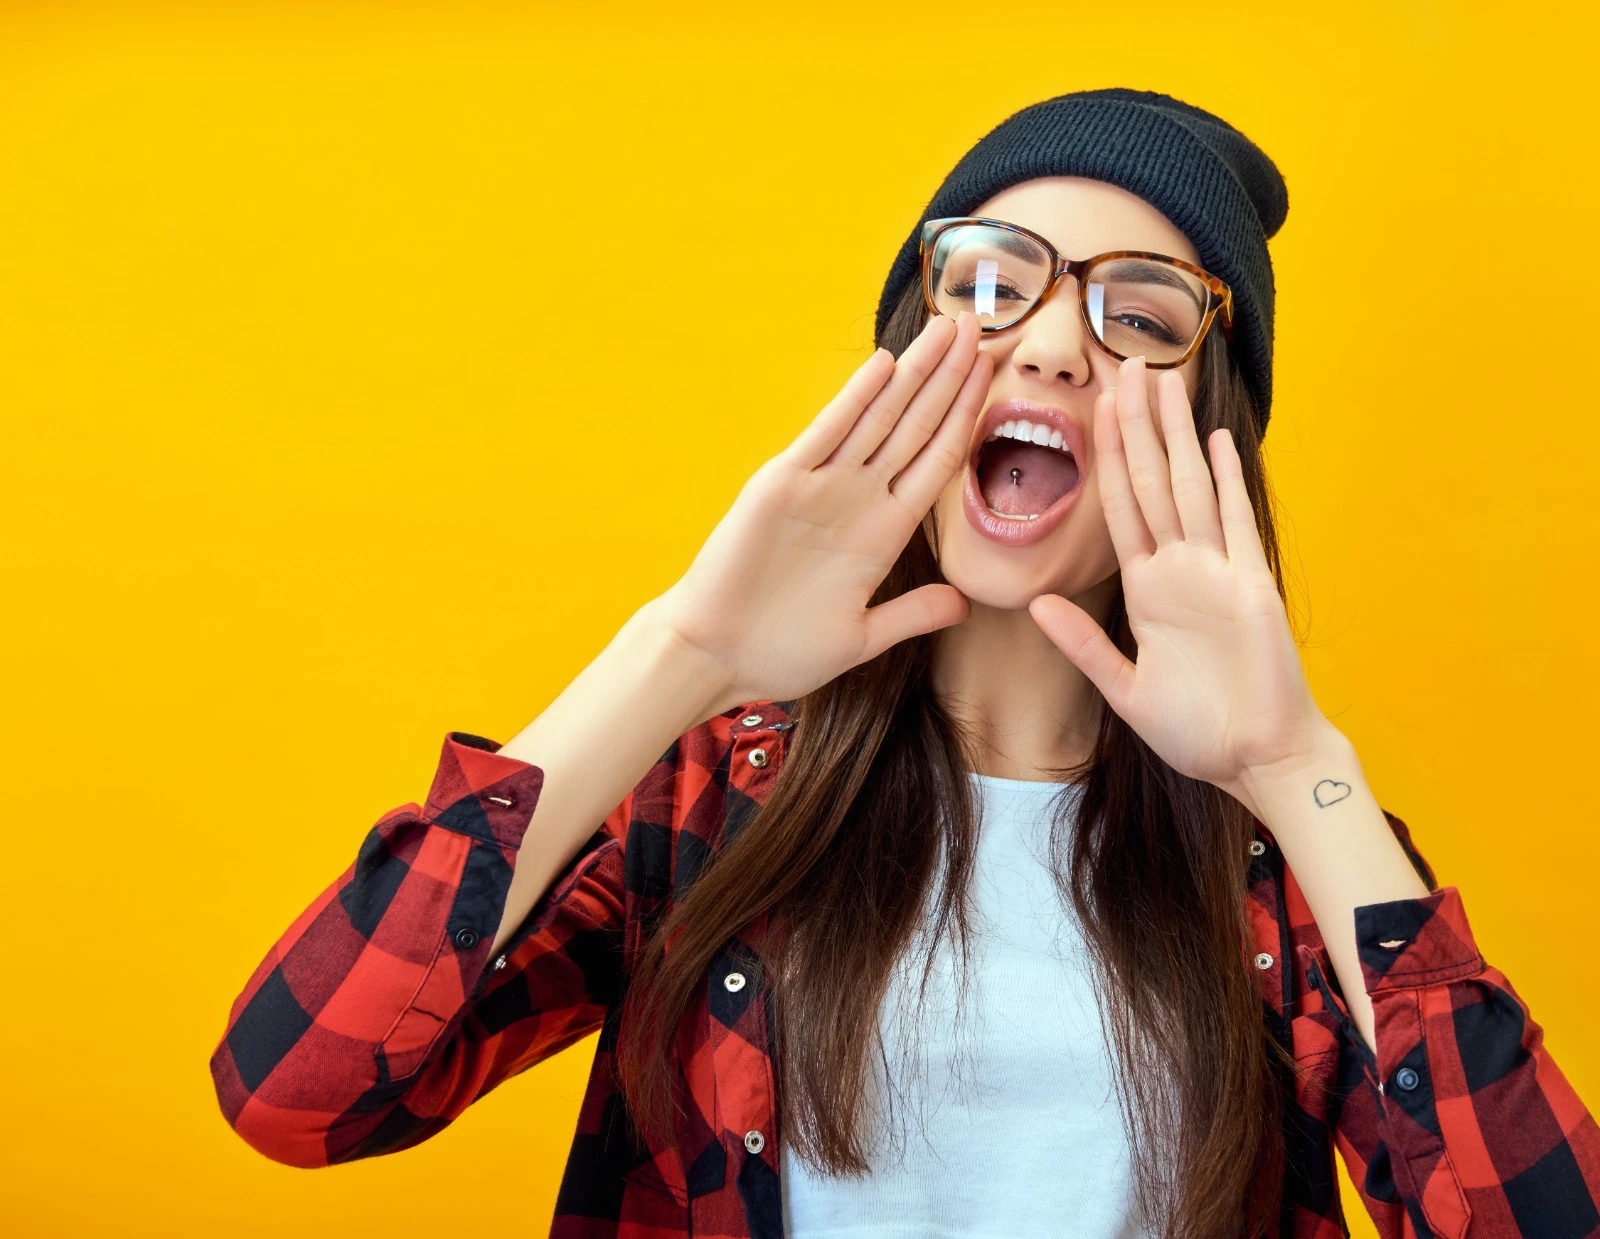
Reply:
x=1016, y=480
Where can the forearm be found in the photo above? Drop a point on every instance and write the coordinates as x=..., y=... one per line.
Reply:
x=597, y=739
x=371, y=985
x=1340, y=847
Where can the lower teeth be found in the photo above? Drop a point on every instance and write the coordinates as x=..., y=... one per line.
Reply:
x=1011, y=517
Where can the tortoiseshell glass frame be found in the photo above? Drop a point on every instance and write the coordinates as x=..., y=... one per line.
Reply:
x=1221, y=297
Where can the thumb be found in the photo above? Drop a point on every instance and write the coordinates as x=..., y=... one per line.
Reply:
x=920, y=610
x=1086, y=646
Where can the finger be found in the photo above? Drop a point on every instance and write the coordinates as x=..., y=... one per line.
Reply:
x=1147, y=460
x=1192, y=488
x=926, y=412
x=1084, y=642
x=1130, y=537
x=910, y=373
x=922, y=481
x=1239, y=529
x=828, y=429
x=914, y=612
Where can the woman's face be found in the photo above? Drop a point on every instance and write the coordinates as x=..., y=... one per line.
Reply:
x=1050, y=362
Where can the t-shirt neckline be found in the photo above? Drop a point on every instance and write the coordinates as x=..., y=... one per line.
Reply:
x=998, y=781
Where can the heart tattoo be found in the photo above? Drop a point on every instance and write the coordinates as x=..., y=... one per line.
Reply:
x=1329, y=791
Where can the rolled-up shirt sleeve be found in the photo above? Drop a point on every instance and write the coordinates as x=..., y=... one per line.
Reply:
x=378, y=1016
x=1457, y=1121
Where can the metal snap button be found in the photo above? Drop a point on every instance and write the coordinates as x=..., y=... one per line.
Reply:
x=1407, y=1079
x=733, y=982
x=500, y=963
x=1263, y=960
x=466, y=938
x=1257, y=847
x=758, y=758
x=754, y=1141
x=751, y=720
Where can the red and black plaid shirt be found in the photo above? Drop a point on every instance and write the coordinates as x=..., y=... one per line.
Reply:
x=378, y=1017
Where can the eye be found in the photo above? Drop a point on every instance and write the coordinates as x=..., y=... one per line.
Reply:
x=968, y=289
x=1148, y=325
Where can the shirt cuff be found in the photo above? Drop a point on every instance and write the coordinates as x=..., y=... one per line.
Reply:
x=1430, y=944
x=1413, y=943
x=480, y=792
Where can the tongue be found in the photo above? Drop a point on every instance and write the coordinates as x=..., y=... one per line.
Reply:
x=1022, y=479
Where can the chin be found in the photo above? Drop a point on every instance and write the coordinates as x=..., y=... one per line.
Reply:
x=1009, y=578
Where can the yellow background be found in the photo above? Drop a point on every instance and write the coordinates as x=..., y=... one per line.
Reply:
x=360, y=376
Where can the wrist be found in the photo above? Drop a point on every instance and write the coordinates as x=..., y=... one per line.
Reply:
x=1324, y=753
x=684, y=673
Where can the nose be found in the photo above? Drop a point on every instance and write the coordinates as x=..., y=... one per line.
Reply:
x=1053, y=342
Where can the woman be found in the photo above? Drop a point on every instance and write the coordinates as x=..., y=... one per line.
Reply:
x=1061, y=825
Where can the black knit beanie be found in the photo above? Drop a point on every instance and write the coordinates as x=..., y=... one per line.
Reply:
x=1215, y=185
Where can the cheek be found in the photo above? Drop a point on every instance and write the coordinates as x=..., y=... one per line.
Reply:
x=1093, y=533
x=1152, y=395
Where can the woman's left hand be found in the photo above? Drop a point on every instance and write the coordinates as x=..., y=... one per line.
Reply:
x=1217, y=689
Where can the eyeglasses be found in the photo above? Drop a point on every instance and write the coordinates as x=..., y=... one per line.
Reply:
x=1134, y=302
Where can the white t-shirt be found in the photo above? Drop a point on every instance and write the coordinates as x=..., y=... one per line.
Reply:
x=1002, y=1123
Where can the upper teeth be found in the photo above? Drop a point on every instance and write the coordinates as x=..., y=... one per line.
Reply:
x=1031, y=432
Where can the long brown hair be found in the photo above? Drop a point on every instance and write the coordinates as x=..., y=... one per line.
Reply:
x=873, y=795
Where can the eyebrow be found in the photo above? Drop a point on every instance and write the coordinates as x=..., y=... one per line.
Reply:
x=1016, y=246
x=1149, y=271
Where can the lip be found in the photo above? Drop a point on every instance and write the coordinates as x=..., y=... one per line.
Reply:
x=1014, y=532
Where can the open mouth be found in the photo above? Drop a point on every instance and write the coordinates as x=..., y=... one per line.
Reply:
x=1021, y=480
x=1026, y=474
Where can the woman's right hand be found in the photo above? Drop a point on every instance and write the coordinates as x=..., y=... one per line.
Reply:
x=777, y=597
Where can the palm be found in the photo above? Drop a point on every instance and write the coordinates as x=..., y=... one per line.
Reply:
x=795, y=559
x=1216, y=688
x=1217, y=681
x=778, y=594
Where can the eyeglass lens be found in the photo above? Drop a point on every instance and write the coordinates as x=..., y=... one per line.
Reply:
x=1135, y=305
